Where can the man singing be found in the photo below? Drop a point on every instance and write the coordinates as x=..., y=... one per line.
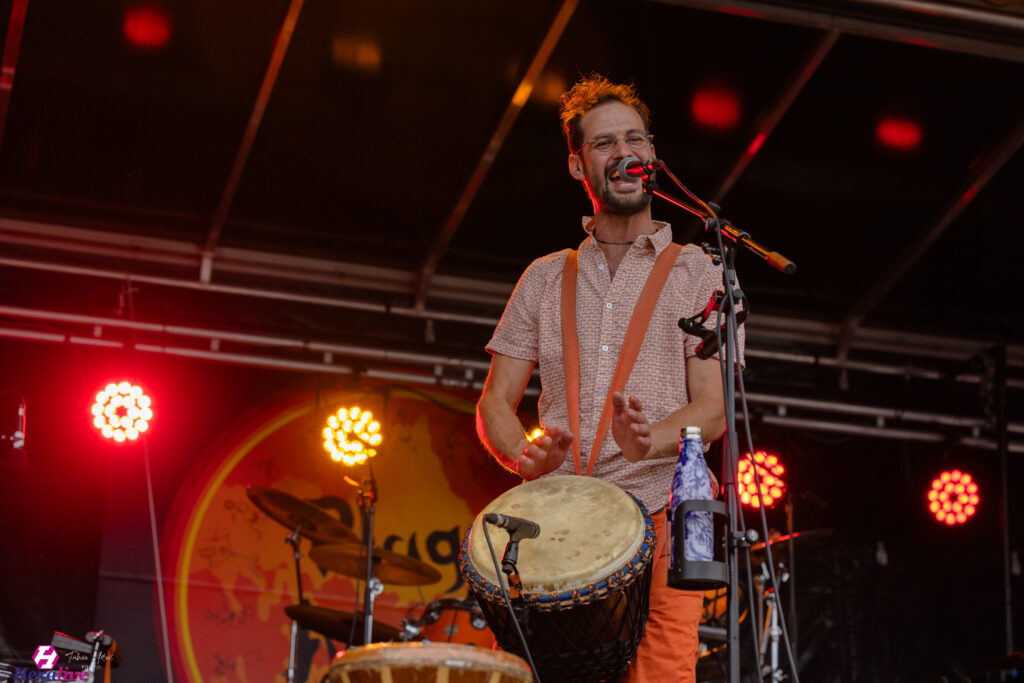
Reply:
x=626, y=262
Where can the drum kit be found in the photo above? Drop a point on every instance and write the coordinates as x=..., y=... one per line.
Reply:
x=575, y=603
x=450, y=624
x=713, y=636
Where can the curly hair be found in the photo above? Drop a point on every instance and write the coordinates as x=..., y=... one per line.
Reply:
x=591, y=91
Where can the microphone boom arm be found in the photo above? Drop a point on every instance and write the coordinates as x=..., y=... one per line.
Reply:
x=742, y=238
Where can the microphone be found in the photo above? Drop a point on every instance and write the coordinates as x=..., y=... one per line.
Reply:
x=631, y=167
x=517, y=528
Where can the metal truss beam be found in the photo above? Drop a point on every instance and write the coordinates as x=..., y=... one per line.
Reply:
x=166, y=263
x=769, y=119
x=522, y=94
x=227, y=196
x=303, y=355
x=12, y=45
x=982, y=171
x=909, y=25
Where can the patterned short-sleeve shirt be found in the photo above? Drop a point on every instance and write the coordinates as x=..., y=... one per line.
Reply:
x=530, y=329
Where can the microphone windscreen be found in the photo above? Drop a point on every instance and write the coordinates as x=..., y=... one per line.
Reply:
x=624, y=167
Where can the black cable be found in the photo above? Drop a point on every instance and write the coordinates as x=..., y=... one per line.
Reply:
x=734, y=341
x=751, y=606
x=508, y=602
x=729, y=304
x=726, y=364
x=741, y=522
x=154, y=532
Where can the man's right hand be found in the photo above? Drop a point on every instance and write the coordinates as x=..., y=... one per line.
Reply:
x=546, y=453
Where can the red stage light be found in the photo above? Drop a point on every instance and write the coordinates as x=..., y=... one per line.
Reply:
x=953, y=497
x=121, y=412
x=901, y=134
x=769, y=469
x=147, y=27
x=715, y=107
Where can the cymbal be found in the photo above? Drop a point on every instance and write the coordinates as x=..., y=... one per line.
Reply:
x=781, y=544
x=338, y=625
x=313, y=521
x=349, y=559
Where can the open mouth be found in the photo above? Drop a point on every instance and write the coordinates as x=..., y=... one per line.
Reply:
x=614, y=177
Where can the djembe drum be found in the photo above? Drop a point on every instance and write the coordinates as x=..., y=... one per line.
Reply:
x=586, y=577
x=427, y=663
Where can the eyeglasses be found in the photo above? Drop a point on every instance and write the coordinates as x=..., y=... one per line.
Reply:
x=604, y=143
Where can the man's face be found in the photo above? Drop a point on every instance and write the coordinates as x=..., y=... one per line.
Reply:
x=613, y=121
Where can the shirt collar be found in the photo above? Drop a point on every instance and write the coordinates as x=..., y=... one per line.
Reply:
x=658, y=240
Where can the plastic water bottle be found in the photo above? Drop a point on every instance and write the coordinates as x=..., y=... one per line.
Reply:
x=691, y=481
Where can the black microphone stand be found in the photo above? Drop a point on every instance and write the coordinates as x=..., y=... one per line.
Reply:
x=293, y=539
x=727, y=336
x=510, y=567
x=367, y=498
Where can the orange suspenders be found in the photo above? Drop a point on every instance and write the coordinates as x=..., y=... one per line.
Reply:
x=635, y=334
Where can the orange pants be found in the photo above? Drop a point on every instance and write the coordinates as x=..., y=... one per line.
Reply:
x=668, y=651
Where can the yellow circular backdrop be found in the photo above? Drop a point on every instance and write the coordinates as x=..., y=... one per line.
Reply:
x=230, y=571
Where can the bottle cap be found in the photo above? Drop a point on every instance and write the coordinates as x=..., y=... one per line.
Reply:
x=691, y=432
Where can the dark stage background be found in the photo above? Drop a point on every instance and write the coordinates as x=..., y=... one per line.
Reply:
x=890, y=596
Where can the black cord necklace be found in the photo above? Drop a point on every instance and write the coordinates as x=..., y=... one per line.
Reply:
x=596, y=238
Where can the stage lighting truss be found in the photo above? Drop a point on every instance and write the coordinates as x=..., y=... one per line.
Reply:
x=953, y=497
x=770, y=470
x=351, y=436
x=122, y=412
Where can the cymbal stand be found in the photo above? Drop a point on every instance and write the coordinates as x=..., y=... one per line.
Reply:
x=293, y=540
x=100, y=641
x=367, y=498
x=771, y=629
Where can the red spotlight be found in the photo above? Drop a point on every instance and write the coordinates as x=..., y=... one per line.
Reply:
x=953, y=497
x=901, y=134
x=121, y=412
x=770, y=470
x=715, y=107
x=147, y=27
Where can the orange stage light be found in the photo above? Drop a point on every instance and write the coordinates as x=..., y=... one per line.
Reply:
x=953, y=497
x=352, y=436
x=770, y=471
x=122, y=412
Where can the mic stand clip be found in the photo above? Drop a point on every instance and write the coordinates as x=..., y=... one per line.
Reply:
x=515, y=583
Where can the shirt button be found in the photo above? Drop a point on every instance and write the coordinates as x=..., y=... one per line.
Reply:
x=604, y=348
x=600, y=267
x=608, y=305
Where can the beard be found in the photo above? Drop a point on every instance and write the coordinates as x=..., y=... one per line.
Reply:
x=619, y=205
x=616, y=204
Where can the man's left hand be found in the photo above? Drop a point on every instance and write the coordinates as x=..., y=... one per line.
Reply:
x=630, y=428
